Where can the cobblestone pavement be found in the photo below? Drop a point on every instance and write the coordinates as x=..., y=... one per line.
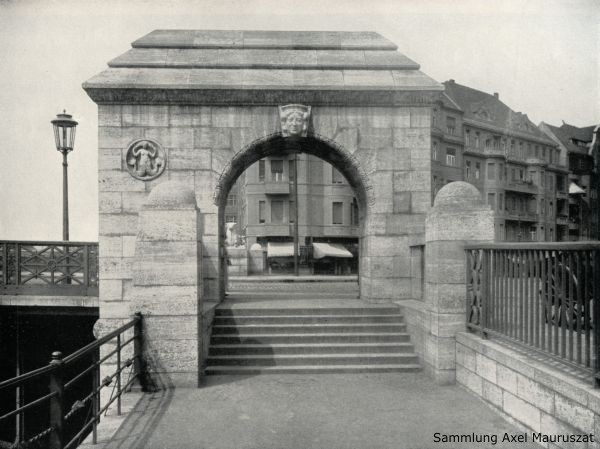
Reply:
x=326, y=411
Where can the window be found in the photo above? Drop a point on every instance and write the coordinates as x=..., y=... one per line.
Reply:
x=450, y=156
x=550, y=209
x=276, y=211
x=542, y=179
x=261, y=212
x=542, y=207
x=512, y=148
x=501, y=202
x=336, y=176
x=261, y=170
x=537, y=151
x=476, y=140
x=434, y=118
x=500, y=172
x=337, y=213
x=292, y=213
x=230, y=218
x=467, y=169
x=291, y=169
x=521, y=151
x=491, y=170
x=477, y=170
x=496, y=142
x=468, y=137
x=231, y=199
x=521, y=175
x=533, y=233
x=277, y=170
x=492, y=200
x=450, y=125
x=354, y=213
x=488, y=144
x=434, y=151
x=513, y=174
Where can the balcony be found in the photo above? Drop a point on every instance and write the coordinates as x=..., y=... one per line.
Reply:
x=521, y=187
x=277, y=188
x=269, y=230
x=514, y=215
x=562, y=220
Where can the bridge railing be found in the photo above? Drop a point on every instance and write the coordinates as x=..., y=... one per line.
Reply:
x=63, y=420
x=48, y=268
x=543, y=296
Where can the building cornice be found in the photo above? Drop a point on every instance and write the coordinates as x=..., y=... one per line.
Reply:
x=508, y=132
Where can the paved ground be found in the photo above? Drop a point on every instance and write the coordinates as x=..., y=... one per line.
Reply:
x=326, y=411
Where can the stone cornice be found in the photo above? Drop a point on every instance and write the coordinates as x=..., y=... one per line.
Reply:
x=234, y=97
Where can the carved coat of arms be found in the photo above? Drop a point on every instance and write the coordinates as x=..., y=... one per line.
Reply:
x=294, y=120
x=145, y=159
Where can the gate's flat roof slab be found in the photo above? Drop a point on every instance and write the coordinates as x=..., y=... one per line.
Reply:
x=264, y=39
x=261, y=67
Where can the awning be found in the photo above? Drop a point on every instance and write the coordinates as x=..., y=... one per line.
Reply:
x=280, y=249
x=574, y=189
x=321, y=250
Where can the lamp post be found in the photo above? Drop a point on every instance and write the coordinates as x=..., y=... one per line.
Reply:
x=64, y=136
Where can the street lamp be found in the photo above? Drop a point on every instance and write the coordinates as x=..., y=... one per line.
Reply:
x=64, y=136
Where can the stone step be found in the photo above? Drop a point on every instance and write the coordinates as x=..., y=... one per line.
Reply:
x=303, y=338
x=306, y=328
x=355, y=311
x=313, y=359
x=306, y=319
x=312, y=369
x=310, y=348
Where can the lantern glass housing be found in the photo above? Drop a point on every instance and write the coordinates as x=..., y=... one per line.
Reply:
x=64, y=132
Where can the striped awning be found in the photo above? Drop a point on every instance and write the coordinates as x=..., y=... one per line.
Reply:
x=574, y=189
x=280, y=249
x=321, y=250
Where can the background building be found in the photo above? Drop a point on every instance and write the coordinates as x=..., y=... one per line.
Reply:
x=581, y=212
x=517, y=168
x=327, y=213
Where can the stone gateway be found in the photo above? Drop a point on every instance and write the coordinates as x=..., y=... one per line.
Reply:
x=183, y=113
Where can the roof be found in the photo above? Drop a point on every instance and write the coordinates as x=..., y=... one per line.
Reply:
x=262, y=60
x=487, y=109
x=566, y=133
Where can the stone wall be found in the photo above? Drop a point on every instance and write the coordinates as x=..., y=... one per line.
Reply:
x=390, y=144
x=238, y=262
x=458, y=217
x=536, y=395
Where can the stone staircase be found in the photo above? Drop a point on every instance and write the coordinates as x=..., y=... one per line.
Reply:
x=309, y=340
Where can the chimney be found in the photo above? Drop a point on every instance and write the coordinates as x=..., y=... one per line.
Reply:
x=496, y=95
x=451, y=81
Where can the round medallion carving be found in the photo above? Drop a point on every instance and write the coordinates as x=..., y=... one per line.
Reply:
x=145, y=159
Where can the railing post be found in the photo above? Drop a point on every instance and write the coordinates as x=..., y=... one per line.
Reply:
x=596, y=322
x=56, y=402
x=139, y=364
x=484, y=297
x=95, y=395
x=119, y=374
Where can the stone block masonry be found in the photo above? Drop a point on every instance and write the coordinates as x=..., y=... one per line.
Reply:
x=543, y=399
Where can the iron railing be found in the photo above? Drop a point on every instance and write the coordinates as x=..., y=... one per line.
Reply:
x=544, y=296
x=48, y=268
x=56, y=411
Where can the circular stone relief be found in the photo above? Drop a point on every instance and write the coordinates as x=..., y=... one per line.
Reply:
x=145, y=159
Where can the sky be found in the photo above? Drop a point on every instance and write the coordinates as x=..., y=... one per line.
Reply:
x=540, y=56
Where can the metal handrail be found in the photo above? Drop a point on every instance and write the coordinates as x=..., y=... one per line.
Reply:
x=557, y=246
x=55, y=434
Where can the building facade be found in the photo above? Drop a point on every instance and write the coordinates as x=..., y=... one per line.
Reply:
x=326, y=210
x=581, y=208
x=520, y=172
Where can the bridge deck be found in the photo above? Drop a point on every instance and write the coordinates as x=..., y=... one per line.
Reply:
x=309, y=411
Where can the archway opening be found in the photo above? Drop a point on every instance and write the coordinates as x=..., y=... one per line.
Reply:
x=277, y=201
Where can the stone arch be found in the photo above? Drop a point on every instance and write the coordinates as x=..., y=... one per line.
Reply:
x=275, y=144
